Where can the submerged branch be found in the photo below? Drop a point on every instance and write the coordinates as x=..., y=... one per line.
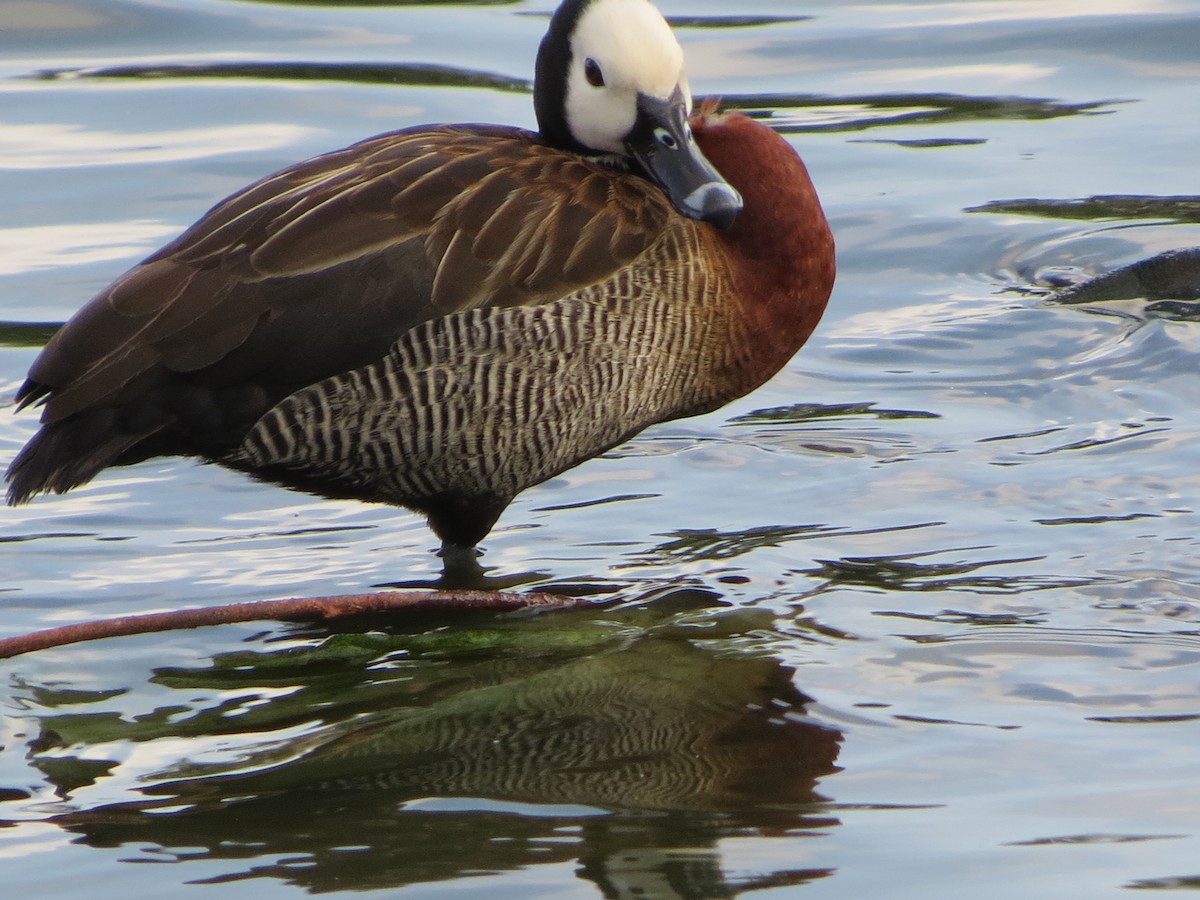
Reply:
x=299, y=609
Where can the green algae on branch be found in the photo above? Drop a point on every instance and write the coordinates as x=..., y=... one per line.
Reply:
x=300, y=609
x=407, y=74
x=860, y=112
x=27, y=334
x=807, y=412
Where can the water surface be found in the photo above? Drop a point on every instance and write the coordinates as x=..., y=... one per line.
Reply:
x=920, y=616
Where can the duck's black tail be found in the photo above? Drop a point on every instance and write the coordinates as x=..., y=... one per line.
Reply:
x=66, y=454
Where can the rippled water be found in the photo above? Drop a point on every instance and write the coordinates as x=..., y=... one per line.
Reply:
x=920, y=617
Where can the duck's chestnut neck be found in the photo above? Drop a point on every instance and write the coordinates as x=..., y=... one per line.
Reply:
x=780, y=244
x=781, y=203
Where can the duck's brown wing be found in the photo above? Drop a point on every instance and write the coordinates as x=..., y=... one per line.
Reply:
x=316, y=270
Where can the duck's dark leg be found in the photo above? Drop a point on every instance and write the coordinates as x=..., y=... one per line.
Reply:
x=462, y=522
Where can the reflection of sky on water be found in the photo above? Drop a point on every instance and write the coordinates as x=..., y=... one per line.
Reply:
x=992, y=75
x=924, y=15
x=53, y=146
x=963, y=519
x=46, y=246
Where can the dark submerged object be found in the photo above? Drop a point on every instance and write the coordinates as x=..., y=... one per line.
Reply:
x=443, y=316
x=1170, y=275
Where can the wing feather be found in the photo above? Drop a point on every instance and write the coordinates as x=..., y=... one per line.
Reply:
x=350, y=250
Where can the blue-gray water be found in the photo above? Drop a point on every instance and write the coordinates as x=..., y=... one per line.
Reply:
x=921, y=617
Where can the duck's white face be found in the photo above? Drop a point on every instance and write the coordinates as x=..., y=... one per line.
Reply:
x=620, y=50
x=610, y=83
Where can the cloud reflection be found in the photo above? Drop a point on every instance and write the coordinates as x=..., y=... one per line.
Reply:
x=54, y=145
x=989, y=74
x=51, y=246
x=923, y=15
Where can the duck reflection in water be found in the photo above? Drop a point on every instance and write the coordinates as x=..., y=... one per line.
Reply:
x=634, y=760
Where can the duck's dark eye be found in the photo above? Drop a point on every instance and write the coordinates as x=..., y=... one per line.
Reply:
x=665, y=138
x=591, y=71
